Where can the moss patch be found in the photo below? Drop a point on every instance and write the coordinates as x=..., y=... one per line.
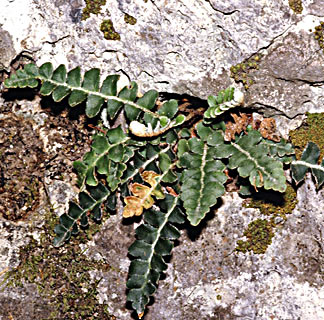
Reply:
x=296, y=6
x=274, y=204
x=61, y=275
x=311, y=130
x=129, y=19
x=108, y=30
x=259, y=236
x=240, y=72
x=260, y=232
x=318, y=35
x=92, y=6
x=21, y=168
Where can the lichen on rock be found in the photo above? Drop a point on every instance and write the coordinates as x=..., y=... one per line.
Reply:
x=7, y=51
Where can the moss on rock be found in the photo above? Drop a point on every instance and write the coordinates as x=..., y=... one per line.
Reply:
x=241, y=71
x=311, y=130
x=260, y=232
x=92, y=6
x=129, y=19
x=61, y=275
x=259, y=236
x=109, y=31
x=296, y=6
x=318, y=35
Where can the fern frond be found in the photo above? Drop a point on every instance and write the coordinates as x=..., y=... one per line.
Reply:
x=110, y=154
x=309, y=160
x=203, y=178
x=251, y=159
x=144, y=159
x=202, y=181
x=60, y=84
x=226, y=99
x=281, y=150
x=154, y=241
x=89, y=202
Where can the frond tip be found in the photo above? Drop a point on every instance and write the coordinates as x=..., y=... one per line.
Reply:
x=154, y=241
x=309, y=160
x=226, y=99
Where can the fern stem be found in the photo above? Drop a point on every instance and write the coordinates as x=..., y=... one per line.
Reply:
x=99, y=94
x=145, y=164
x=307, y=164
x=166, y=219
x=268, y=174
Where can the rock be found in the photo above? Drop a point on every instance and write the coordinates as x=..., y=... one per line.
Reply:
x=182, y=47
x=7, y=51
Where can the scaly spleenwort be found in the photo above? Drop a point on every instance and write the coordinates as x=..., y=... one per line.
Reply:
x=154, y=242
x=202, y=176
x=156, y=165
x=103, y=96
x=262, y=171
x=309, y=160
x=145, y=164
x=88, y=202
x=253, y=159
x=103, y=151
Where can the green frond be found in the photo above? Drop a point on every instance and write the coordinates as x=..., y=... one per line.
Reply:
x=309, y=160
x=154, y=241
x=61, y=84
x=90, y=201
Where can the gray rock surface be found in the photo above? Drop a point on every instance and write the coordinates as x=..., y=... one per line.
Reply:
x=184, y=47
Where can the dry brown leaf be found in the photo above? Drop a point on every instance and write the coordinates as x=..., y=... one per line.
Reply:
x=141, y=199
x=268, y=129
x=240, y=124
x=172, y=192
x=142, y=195
x=151, y=178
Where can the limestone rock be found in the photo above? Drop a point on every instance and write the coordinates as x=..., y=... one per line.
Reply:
x=183, y=47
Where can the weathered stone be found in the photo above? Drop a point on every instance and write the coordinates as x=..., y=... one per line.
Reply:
x=7, y=51
x=290, y=80
x=184, y=47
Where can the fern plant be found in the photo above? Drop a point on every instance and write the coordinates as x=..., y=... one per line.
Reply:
x=157, y=165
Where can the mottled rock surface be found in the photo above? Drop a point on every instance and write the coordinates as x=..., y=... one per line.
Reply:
x=184, y=47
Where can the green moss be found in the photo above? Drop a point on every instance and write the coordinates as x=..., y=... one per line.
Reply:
x=311, y=130
x=92, y=6
x=241, y=71
x=296, y=6
x=318, y=35
x=108, y=30
x=259, y=236
x=129, y=19
x=61, y=275
x=273, y=204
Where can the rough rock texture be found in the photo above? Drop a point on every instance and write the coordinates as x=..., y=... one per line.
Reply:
x=181, y=46
x=184, y=47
